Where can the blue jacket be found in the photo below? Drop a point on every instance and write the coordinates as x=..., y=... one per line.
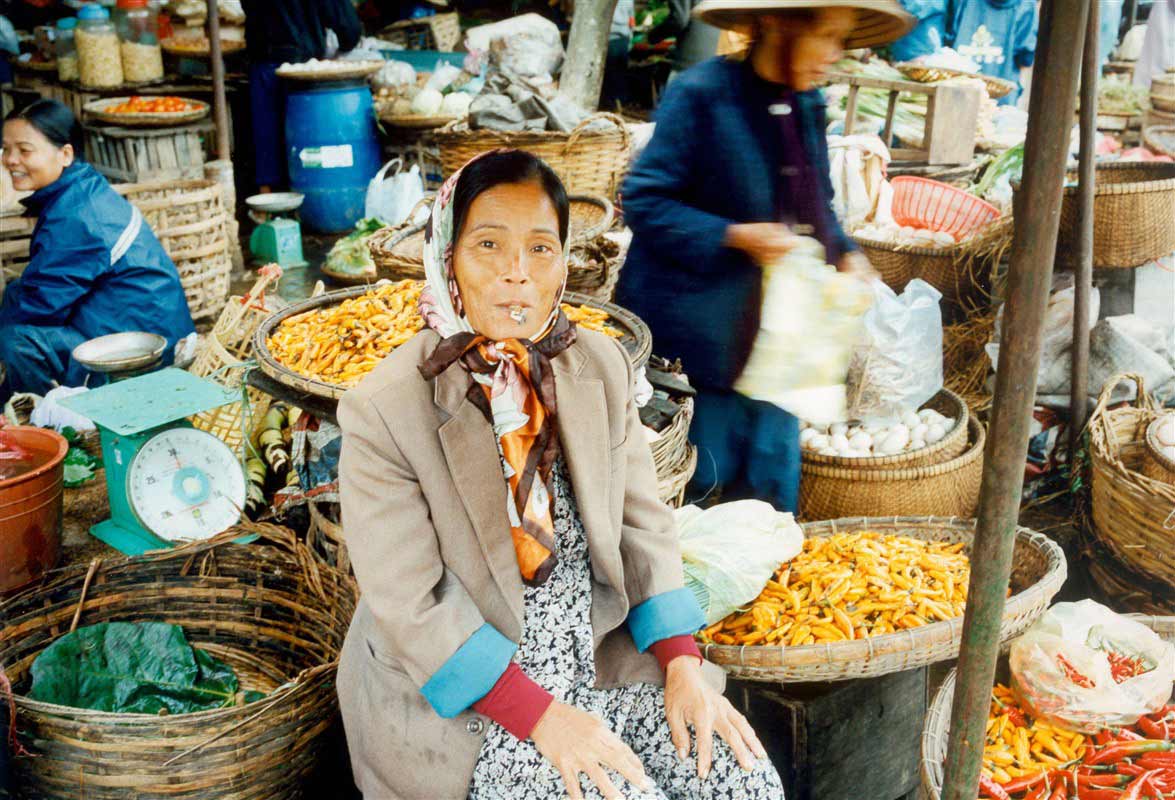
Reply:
x=713, y=162
x=95, y=266
x=998, y=34
x=928, y=36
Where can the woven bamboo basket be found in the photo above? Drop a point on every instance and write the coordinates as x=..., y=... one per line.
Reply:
x=1160, y=139
x=671, y=487
x=996, y=87
x=1133, y=515
x=1133, y=215
x=1157, y=465
x=324, y=536
x=591, y=159
x=268, y=609
x=1118, y=585
x=634, y=336
x=949, y=489
x=1163, y=93
x=189, y=219
x=22, y=406
x=223, y=355
x=937, y=731
x=949, y=447
x=436, y=32
x=1037, y=575
x=674, y=457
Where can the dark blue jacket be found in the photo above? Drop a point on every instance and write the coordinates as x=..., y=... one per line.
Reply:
x=713, y=162
x=95, y=266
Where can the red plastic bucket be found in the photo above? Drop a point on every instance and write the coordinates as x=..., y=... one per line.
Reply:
x=30, y=509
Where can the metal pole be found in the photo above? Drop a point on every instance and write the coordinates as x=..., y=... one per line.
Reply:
x=1038, y=208
x=219, y=103
x=1083, y=271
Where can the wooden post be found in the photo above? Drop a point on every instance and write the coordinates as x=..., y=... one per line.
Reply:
x=582, y=76
x=1037, y=214
x=1083, y=272
x=219, y=102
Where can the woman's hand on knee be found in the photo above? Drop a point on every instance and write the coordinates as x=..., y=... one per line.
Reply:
x=689, y=700
x=577, y=742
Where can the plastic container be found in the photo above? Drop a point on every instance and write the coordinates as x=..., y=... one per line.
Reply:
x=67, y=50
x=138, y=34
x=332, y=151
x=923, y=203
x=99, y=59
x=30, y=509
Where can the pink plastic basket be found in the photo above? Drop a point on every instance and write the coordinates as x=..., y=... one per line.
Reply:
x=923, y=203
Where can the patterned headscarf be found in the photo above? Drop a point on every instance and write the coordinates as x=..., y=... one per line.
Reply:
x=513, y=385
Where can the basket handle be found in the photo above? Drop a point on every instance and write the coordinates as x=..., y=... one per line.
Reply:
x=1144, y=401
x=276, y=535
x=582, y=127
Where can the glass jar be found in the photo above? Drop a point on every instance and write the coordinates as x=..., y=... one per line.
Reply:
x=67, y=50
x=138, y=32
x=99, y=60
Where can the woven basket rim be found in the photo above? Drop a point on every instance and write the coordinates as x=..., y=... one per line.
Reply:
x=1152, y=441
x=914, y=639
x=1148, y=133
x=923, y=73
x=520, y=138
x=936, y=728
x=1164, y=183
x=977, y=440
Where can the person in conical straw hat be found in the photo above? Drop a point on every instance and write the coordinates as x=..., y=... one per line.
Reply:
x=736, y=168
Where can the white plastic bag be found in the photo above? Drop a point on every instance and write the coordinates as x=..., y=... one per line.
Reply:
x=898, y=364
x=527, y=45
x=809, y=323
x=730, y=551
x=391, y=199
x=1075, y=639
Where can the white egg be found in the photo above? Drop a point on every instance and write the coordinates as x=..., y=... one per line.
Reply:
x=947, y=423
x=806, y=435
x=917, y=444
x=1169, y=452
x=1166, y=431
x=935, y=434
x=927, y=414
x=874, y=429
x=838, y=441
x=838, y=429
x=900, y=430
x=828, y=451
x=919, y=431
x=894, y=443
x=911, y=420
x=861, y=441
x=818, y=442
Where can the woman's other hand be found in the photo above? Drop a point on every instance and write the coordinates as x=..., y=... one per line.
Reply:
x=689, y=700
x=764, y=242
x=857, y=264
x=578, y=742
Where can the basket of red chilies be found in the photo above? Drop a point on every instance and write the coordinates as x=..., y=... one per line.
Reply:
x=1037, y=748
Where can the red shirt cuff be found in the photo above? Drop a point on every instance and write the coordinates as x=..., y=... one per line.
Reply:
x=515, y=702
x=668, y=649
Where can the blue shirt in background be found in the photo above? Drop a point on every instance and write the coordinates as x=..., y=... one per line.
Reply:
x=1000, y=35
x=928, y=36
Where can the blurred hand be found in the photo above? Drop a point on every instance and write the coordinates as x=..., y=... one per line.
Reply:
x=857, y=264
x=689, y=700
x=577, y=742
x=764, y=242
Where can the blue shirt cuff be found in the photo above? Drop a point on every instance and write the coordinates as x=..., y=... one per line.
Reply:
x=470, y=673
x=663, y=615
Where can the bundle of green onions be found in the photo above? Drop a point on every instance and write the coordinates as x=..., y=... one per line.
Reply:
x=909, y=124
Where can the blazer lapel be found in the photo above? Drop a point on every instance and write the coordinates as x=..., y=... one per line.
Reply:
x=472, y=456
x=582, y=422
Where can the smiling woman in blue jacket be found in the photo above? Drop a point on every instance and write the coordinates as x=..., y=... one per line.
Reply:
x=94, y=266
x=737, y=166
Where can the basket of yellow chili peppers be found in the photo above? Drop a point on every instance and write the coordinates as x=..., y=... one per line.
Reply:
x=869, y=597
x=1029, y=756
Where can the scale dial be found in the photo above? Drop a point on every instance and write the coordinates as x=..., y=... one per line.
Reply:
x=185, y=484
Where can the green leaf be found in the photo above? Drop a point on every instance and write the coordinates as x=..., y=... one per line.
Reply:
x=74, y=475
x=131, y=667
x=71, y=435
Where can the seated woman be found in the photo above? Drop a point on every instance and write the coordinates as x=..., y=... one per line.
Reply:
x=522, y=596
x=94, y=266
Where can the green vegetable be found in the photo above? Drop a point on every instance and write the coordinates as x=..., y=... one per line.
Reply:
x=1119, y=97
x=80, y=466
x=1010, y=162
x=132, y=667
x=350, y=254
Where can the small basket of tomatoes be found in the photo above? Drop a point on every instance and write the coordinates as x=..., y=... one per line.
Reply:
x=149, y=110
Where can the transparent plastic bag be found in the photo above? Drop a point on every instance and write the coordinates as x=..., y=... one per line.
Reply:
x=1061, y=668
x=809, y=323
x=392, y=196
x=731, y=550
x=898, y=364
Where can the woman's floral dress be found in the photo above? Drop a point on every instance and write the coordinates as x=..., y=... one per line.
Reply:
x=557, y=652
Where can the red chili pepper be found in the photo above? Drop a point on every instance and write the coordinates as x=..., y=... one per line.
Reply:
x=1072, y=674
x=1059, y=792
x=1089, y=793
x=1151, y=728
x=1158, y=760
x=989, y=788
x=1108, y=780
x=1121, y=750
x=1127, y=768
x=1134, y=790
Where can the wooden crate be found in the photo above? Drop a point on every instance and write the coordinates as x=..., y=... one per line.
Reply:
x=15, y=236
x=136, y=155
x=841, y=741
x=952, y=115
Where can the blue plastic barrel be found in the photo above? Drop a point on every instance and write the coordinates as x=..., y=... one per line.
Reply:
x=332, y=151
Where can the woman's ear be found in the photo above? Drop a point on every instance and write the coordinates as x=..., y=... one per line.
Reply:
x=67, y=155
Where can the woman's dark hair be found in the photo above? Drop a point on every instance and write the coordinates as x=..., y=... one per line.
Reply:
x=54, y=120
x=508, y=166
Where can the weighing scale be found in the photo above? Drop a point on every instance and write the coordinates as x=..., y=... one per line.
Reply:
x=277, y=239
x=167, y=481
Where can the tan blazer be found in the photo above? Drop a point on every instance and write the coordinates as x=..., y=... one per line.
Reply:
x=424, y=510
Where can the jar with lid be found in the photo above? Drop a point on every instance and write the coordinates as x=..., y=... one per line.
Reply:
x=138, y=32
x=67, y=50
x=99, y=60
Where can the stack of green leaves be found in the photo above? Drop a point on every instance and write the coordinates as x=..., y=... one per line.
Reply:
x=133, y=668
x=80, y=466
